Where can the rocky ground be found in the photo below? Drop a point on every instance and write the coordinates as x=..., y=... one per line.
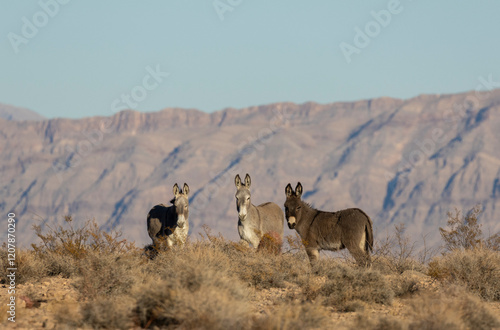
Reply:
x=39, y=304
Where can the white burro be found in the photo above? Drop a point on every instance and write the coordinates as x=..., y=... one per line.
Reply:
x=256, y=221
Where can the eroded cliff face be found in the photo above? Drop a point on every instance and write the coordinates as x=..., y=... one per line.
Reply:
x=406, y=161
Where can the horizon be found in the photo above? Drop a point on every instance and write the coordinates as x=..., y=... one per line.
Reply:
x=65, y=59
x=487, y=92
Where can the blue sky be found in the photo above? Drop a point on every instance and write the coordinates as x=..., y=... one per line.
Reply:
x=87, y=54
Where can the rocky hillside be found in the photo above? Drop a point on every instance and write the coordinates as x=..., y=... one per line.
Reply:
x=405, y=161
x=9, y=112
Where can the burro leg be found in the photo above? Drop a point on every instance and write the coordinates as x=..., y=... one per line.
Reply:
x=362, y=257
x=170, y=242
x=313, y=255
x=255, y=242
x=244, y=243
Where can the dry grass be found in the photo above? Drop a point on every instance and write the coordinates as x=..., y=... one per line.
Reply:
x=193, y=286
x=29, y=267
x=107, y=274
x=211, y=283
x=260, y=269
x=270, y=243
x=397, y=253
x=108, y=313
x=464, y=232
x=295, y=316
x=76, y=242
x=478, y=270
x=345, y=285
x=63, y=248
x=452, y=309
x=365, y=322
x=212, y=302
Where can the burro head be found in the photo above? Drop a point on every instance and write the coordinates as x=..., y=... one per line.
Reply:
x=293, y=205
x=181, y=203
x=242, y=196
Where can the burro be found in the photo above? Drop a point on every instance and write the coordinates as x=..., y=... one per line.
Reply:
x=256, y=221
x=170, y=222
x=321, y=230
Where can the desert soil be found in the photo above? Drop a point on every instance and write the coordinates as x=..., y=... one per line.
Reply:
x=38, y=303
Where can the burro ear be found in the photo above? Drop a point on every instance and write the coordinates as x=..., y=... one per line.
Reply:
x=298, y=190
x=288, y=190
x=185, y=189
x=176, y=190
x=237, y=181
x=248, y=181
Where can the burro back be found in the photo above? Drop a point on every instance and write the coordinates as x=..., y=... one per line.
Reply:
x=170, y=222
x=256, y=221
x=321, y=230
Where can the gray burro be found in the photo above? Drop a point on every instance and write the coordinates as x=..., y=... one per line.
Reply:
x=170, y=222
x=256, y=221
x=320, y=230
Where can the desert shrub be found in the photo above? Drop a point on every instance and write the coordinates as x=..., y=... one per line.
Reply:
x=367, y=322
x=452, y=309
x=192, y=293
x=219, y=244
x=101, y=313
x=260, y=270
x=108, y=313
x=63, y=248
x=344, y=284
x=59, y=264
x=162, y=245
x=478, y=270
x=151, y=251
x=295, y=244
x=174, y=262
x=29, y=268
x=437, y=269
x=3, y=263
x=295, y=316
x=354, y=306
x=270, y=243
x=269, y=271
x=107, y=274
x=492, y=242
x=464, y=232
x=404, y=285
x=69, y=240
x=396, y=253
x=68, y=316
x=210, y=279
x=476, y=315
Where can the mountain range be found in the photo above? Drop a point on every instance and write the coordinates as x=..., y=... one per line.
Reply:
x=401, y=161
x=9, y=112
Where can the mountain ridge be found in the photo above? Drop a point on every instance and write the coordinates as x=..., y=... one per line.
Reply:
x=405, y=161
x=12, y=113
